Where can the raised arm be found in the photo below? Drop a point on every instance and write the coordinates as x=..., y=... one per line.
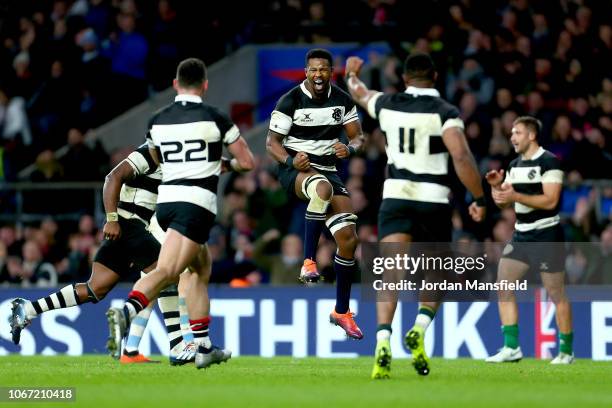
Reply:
x=358, y=90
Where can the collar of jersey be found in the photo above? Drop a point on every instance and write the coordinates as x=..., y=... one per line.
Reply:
x=187, y=98
x=307, y=92
x=537, y=154
x=422, y=91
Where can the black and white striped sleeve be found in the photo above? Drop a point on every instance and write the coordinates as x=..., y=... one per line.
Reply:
x=229, y=131
x=509, y=170
x=281, y=119
x=551, y=169
x=149, y=139
x=375, y=104
x=141, y=161
x=450, y=118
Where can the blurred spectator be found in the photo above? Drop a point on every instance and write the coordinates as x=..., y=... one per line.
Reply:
x=604, y=266
x=75, y=265
x=269, y=204
x=47, y=168
x=12, y=242
x=479, y=48
x=53, y=106
x=98, y=17
x=316, y=26
x=86, y=235
x=325, y=261
x=283, y=268
x=477, y=122
x=562, y=142
x=542, y=44
x=576, y=264
x=34, y=271
x=504, y=101
x=244, y=271
x=25, y=83
x=93, y=79
x=128, y=50
x=81, y=163
x=460, y=27
x=471, y=78
x=15, y=135
x=165, y=40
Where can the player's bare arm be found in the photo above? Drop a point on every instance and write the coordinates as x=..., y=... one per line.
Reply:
x=548, y=200
x=465, y=167
x=110, y=195
x=243, y=157
x=277, y=152
x=358, y=90
x=355, y=137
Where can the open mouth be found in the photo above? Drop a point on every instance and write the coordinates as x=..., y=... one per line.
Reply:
x=318, y=84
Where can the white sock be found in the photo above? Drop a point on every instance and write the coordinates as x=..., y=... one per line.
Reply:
x=30, y=312
x=423, y=321
x=383, y=335
x=203, y=341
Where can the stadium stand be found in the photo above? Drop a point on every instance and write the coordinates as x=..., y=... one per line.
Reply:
x=67, y=67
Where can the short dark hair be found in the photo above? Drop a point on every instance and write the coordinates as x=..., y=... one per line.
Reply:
x=419, y=65
x=532, y=124
x=191, y=73
x=319, y=53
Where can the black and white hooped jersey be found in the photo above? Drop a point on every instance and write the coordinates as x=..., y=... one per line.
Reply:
x=188, y=136
x=527, y=177
x=313, y=126
x=417, y=159
x=138, y=196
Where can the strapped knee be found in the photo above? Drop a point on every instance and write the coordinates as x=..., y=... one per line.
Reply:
x=309, y=188
x=91, y=295
x=338, y=221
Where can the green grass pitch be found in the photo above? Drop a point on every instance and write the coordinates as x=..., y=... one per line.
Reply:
x=311, y=382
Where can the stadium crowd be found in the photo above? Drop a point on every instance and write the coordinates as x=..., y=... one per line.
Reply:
x=91, y=60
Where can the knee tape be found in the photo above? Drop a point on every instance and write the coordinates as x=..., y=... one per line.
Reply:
x=338, y=221
x=309, y=189
x=91, y=295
